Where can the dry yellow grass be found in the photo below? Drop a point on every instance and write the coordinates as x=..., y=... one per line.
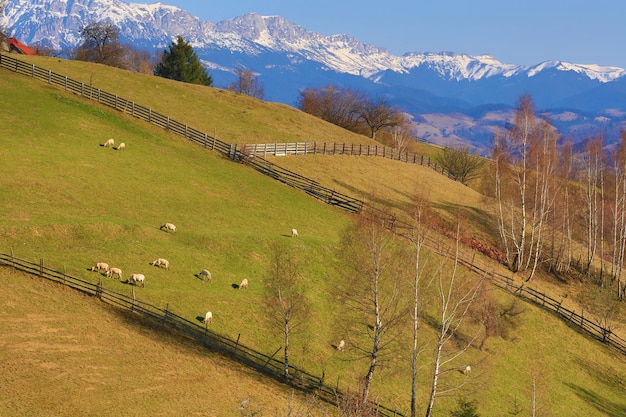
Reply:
x=66, y=354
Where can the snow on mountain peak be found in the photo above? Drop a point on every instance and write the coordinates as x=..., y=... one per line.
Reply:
x=592, y=71
x=57, y=24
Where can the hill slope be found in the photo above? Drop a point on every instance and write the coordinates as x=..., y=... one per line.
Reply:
x=74, y=203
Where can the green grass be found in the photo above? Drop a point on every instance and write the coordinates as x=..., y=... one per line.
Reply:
x=75, y=203
x=233, y=118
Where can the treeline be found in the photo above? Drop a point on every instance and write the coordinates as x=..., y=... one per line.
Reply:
x=557, y=208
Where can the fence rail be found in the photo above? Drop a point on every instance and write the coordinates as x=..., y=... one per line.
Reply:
x=576, y=320
x=355, y=149
x=251, y=156
x=266, y=364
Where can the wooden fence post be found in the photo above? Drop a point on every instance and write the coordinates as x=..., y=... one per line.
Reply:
x=270, y=358
x=237, y=344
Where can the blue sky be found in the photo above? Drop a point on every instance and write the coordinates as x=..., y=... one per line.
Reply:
x=523, y=32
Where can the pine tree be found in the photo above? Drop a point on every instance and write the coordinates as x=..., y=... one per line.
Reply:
x=181, y=63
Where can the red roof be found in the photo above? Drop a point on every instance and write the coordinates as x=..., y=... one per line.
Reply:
x=17, y=46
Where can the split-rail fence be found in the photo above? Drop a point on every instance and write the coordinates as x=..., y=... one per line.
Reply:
x=266, y=364
x=251, y=156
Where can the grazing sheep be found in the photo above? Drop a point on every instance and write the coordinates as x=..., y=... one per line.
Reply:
x=120, y=147
x=244, y=284
x=205, y=275
x=109, y=143
x=161, y=262
x=341, y=346
x=115, y=271
x=100, y=266
x=294, y=233
x=466, y=370
x=168, y=226
x=137, y=278
x=208, y=317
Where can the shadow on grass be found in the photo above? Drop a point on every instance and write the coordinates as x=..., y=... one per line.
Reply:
x=601, y=404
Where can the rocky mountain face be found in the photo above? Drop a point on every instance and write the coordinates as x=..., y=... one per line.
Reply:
x=453, y=98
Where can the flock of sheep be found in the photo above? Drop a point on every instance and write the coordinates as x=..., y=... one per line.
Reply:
x=103, y=268
x=140, y=279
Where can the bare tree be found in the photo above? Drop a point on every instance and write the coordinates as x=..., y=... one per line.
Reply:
x=455, y=299
x=460, y=163
x=496, y=320
x=525, y=159
x=401, y=134
x=619, y=215
x=287, y=305
x=377, y=114
x=417, y=237
x=338, y=106
x=594, y=182
x=247, y=83
x=371, y=290
x=101, y=44
x=563, y=250
x=136, y=60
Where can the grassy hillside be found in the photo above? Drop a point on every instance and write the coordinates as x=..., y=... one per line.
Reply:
x=66, y=354
x=234, y=118
x=74, y=203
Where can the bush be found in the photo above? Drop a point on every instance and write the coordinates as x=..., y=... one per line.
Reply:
x=465, y=408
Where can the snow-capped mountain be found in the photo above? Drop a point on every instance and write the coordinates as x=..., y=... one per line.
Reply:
x=287, y=58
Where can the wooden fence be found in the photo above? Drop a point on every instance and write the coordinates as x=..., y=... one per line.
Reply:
x=576, y=320
x=266, y=364
x=228, y=150
x=355, y=149
x=251, y=156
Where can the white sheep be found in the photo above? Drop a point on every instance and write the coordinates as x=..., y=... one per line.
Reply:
x=466, y=370
x=341, y=346
x=205, y=275
x=294, y=233
x=115, y=271
x=137, y=278
x=244, y=284
x=120, y=147
x=168, y=226
x=100, y=266
x=109, y=143
x=160, y=262
x=208, y=317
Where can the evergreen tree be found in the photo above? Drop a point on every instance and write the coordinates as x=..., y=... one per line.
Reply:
x=181, y=63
